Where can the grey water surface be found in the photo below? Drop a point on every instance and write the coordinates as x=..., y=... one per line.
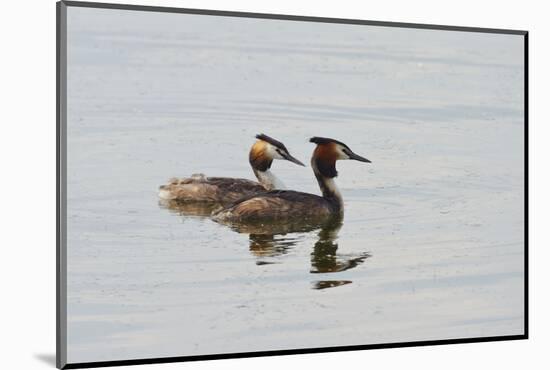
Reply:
x=431, y=246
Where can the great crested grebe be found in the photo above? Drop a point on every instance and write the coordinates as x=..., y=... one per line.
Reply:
x=283, y=205
x=199, y=188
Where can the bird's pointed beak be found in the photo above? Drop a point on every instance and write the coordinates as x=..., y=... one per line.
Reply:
x=357, y=157
x=290, y=158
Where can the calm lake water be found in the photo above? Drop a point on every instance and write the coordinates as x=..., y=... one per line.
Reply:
x=431, y=246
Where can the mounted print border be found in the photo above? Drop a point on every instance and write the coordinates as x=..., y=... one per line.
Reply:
x=61, y=267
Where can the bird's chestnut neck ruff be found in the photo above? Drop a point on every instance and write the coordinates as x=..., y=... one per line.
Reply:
x=324, y=160
x=259, y=158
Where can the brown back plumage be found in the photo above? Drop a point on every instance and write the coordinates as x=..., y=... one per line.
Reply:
x=221, y=190
x=276, y=205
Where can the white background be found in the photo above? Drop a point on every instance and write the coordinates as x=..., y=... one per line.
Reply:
x=27, y=188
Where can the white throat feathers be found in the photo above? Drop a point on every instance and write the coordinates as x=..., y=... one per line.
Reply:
x=269, y=180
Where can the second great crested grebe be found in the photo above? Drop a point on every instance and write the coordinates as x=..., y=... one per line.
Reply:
x=283, y=205
x=199, y=188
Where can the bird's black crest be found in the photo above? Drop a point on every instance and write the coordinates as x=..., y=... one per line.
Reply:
x=272, y=141
x=326, y=140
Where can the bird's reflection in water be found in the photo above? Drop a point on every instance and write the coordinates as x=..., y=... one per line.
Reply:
x=324, y=257
x=276, y=239
x=199, y=209
x=323, y=284
x=271, y=240
x=270, y=245
x=267, y=241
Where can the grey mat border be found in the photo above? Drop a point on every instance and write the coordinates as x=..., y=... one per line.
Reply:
x=225, y=13
x=61, y=193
